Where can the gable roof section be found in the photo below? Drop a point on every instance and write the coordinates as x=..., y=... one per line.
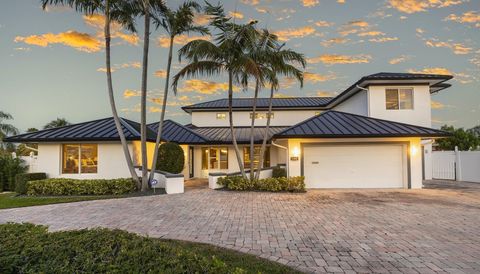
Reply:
x=262, y=103
x=96, y=130
x=221, y=135
x=336, y=124
x=174, y=132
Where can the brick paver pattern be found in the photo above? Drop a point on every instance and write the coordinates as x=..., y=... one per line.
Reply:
x=403, y=231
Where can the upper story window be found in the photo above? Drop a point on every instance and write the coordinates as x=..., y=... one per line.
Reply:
x=79, y=158
x=399, y=98
x=262, y=115
x=221, y=116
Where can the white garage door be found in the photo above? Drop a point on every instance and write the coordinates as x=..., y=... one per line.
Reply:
x=354, y=166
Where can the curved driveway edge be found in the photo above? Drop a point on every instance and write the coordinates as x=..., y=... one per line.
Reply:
x=423, y=231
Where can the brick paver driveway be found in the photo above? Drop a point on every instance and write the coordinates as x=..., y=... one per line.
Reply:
x=425, y=231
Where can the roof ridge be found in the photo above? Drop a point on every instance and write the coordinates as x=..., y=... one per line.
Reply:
x=182, y=126
x=129, y=127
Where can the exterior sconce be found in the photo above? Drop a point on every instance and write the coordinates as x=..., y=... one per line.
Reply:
x=295, y=154
x=413, y=150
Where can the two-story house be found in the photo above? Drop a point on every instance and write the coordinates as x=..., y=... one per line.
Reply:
x=375, y=134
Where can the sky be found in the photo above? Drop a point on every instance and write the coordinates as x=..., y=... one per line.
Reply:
x=53, y=60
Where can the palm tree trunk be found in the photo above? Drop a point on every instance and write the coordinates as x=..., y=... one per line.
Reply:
x=265, y=134
x=143, y=101
x=232, y=130
x=252, y=128
x=164, y=106
x=111, y=97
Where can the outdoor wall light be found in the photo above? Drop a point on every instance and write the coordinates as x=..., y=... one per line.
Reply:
x=413, y=150
x=295, y=152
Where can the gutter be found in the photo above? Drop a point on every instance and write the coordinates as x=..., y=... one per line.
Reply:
x=277, y=145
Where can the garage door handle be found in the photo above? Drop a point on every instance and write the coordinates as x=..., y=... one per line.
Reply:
x=314, y=163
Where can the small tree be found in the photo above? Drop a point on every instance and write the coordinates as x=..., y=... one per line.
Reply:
x=170, y=158
x=464, y=140
x=9, y=168
x=59, y=122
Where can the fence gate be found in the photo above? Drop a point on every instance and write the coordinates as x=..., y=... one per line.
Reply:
x=443, y=165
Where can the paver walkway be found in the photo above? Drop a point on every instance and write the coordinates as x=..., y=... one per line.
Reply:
x=413, y=231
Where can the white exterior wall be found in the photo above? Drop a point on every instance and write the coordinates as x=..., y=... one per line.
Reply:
x=294, y=167
x=357, y=104
x=111, y=162
x=420, y=115
x=242, y=118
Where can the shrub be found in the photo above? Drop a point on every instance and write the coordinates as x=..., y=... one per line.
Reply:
x=28, y=248
x=170, y=158
x=9, y=168
x=64, y=186
x=21, y=180
x=291, y=184
x=278, y=172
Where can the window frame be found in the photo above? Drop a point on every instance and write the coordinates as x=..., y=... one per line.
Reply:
x=79, y=159
x=207, y=156
x=398, y=98
x=262, y=115
x=246, y=160
x=221, y=116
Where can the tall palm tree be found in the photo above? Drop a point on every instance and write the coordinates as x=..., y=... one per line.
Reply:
x=59, y=122
x=121, y=12
x=5, y=128
x=174, y=23
x=226, y=56
x=282, y=62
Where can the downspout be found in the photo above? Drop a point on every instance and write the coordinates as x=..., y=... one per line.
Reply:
x=368, y=98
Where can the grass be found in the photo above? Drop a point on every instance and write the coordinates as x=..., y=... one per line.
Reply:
x=13, y=200
x=28, y=248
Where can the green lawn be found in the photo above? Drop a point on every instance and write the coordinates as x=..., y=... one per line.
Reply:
x=28, y=248
x=12, y=200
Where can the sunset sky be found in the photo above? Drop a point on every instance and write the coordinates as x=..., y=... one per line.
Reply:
x=53, y=61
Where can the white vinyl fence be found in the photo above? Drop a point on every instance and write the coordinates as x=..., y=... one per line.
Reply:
x=456, y=165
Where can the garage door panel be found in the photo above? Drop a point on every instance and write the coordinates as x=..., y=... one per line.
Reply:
x=354, y=166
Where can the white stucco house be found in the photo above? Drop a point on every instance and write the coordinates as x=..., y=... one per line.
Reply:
x=375, y=134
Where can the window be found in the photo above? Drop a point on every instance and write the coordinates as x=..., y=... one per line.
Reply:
x=221, y=116
x=214, y=158
x=79, y=158
x=262, y=115
x=256, y=157
x=401, y=98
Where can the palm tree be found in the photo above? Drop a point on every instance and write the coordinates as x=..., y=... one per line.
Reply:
x=174, y=23
x=6, y=129
x=113, y=10
x=59, y=122
x=227, y=55
x=282, y=62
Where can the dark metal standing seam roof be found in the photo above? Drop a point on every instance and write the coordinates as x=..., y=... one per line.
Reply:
x=97, y=130
x=262, y=103
x=221, y=135
x=336, y=124
x=174, y=132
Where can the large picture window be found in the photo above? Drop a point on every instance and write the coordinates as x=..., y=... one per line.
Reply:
x=399, y=98
x=256, y=157
x=78, y=158
x=214, y=158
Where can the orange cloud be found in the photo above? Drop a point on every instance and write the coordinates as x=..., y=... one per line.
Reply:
x=122, y=66
x=77, y=40
x=128, y=93
x=470, y=17
x=333, y=41
x=323, y=93
x=287, y=34
x=204, y=87
x=314, y=77
x=397, y=60
x=250, y=2
x=201, y=19
x=460, y=77
x=97, y=21
x=371, y=33
x=236, y=14
x=457, y=48
x=161, y=73
x=383, y=39
x=310, y=3
x=322, y=23
x=331, y=59
x=413, y=6
x=437, y=105
x=353, y=27
x=164, y=41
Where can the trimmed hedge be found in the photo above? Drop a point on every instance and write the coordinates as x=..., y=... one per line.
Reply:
x=21, y=180
x=291, y=184
x=64, y=186
x=28, y=248
x=170, y=158
x=278, y=172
